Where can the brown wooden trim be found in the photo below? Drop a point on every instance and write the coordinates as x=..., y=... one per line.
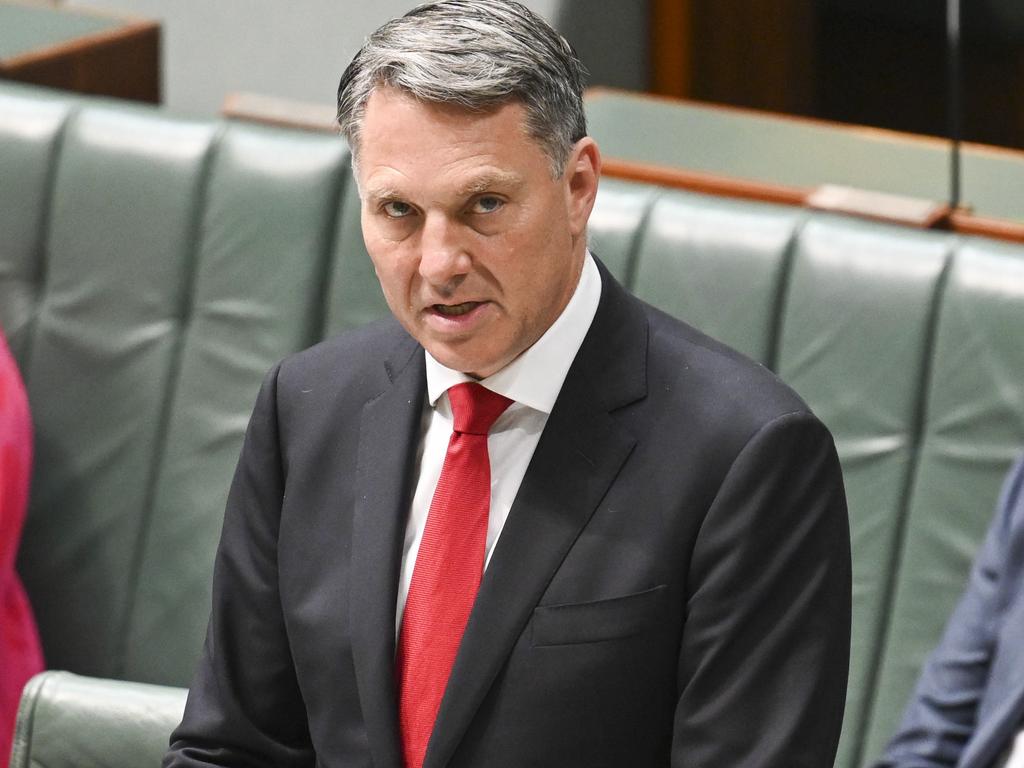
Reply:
x=707, y=183
x=965, y=223
x=960, y=222
x=80, y=45
x=726, y=186
x=670, y=24
x=991, y=149
x=282, y=113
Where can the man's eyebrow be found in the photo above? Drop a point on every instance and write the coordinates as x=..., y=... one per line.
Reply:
x=382, y=192
x=483, y=183
x=489, y=181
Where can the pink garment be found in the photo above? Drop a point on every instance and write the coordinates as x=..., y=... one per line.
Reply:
x=20, y=652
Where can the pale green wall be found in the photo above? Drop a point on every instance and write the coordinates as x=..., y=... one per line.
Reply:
x=298, y=48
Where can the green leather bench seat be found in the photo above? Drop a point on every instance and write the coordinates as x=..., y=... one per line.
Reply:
x=153, y=268
x=85, y=722
x=972, y=426
x=719, y=267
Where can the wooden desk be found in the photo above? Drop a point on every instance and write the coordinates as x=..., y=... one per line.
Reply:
x=83, y=51
x=778, y=158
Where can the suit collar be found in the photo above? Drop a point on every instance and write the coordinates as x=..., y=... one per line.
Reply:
x=579, y=455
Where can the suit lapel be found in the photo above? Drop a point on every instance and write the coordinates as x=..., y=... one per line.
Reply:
x=388, y=438
x=579, y=455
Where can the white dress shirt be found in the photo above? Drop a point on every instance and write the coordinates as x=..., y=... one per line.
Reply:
x=1015, y=759
x=533, y=381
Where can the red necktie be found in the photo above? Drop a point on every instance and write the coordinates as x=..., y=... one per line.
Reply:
x=449, y=565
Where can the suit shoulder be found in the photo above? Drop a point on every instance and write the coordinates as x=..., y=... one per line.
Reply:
x=368, y=345
x=356, y=360
x=714, y=375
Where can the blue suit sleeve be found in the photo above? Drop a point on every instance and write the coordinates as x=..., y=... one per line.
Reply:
x=942, y=713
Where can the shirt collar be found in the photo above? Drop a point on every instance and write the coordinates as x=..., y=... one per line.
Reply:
x=535, y=377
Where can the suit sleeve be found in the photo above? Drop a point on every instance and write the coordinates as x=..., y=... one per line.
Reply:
x=942, y=712
x=765, y=650
x=244, y=706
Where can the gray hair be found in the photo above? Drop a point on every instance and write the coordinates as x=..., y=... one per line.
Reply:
x=477, y=54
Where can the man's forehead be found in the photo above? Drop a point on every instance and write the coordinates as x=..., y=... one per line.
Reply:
x=386, y=106
x=409, y=145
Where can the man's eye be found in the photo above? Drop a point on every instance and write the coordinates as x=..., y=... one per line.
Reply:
x=396, y=209
x=487, y=204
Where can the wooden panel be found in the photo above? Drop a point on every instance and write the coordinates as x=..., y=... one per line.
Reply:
x=123, y=62
x=671, y=47
x=754, y=53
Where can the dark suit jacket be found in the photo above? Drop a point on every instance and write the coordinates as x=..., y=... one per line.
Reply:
x=969, y=700
x=672, y=586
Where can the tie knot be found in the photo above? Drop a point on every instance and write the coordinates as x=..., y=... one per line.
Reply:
x=475, y=408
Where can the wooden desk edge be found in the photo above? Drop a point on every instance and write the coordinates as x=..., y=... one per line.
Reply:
x=966, y=223
x=81, y=44
x=279, y=112
x=962, y=222
x=698, y=181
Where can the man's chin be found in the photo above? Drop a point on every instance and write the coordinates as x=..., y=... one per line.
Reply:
x=479, y=365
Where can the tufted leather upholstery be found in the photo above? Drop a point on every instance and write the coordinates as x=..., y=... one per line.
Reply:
x=152, y=268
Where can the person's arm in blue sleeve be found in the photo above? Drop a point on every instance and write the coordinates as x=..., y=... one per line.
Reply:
x=943, y=711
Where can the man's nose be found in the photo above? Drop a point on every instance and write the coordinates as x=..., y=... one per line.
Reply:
x=443, y=255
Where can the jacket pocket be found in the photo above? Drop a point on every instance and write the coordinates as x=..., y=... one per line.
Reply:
x=600, y=620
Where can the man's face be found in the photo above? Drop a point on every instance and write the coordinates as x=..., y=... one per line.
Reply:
x=476, y=247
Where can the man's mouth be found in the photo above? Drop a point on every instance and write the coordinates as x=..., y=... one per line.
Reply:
x=454, y=310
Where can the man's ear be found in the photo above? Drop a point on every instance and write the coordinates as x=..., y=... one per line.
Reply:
x=581, y=177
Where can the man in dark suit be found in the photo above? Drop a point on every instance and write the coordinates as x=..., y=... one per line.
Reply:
x=968, y=707
x=640, y=557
